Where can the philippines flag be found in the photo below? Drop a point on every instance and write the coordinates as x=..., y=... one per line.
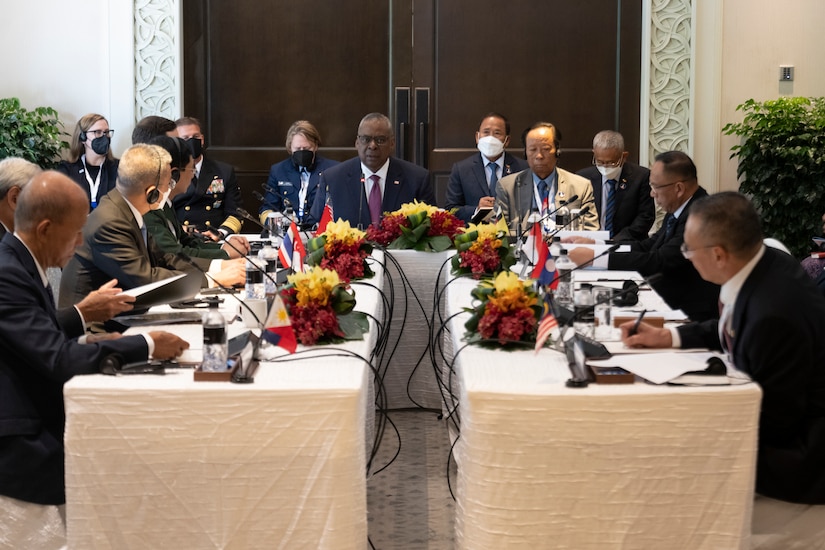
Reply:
x=292, y=250
x=548, y=325
x=326, y=217
x=545, y=266
x=279, y=330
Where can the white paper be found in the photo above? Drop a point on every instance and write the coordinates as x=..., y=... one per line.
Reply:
x=659, y=367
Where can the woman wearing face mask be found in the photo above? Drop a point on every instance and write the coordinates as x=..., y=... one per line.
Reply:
x=293, y=182
x=91, y=163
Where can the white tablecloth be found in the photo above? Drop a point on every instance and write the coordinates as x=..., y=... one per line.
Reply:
x=541, y=465
x=166, y=462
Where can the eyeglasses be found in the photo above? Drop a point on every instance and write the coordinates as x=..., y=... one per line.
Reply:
x=657, y=187
x=379, y=140
x=689, y=252
x=100, y=133
x=607, y=164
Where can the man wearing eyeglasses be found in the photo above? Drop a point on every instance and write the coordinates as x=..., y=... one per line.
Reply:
x=674, y=187
x=361, y=189
x=621, y=189
x=771, y=327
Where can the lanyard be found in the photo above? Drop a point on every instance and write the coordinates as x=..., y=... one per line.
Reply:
x=93, y=185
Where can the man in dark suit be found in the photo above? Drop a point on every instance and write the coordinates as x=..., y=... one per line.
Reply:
x=114, y=245
x=772, y=328
x=99, y=305
x=36, y=356
x=674, y=186
x=621, y=189
x=473, y=181
x=296, y=178
x=544, y=186
x=212, y=199
x=361, y=189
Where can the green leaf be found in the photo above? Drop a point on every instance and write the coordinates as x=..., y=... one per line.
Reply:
x=354, y=325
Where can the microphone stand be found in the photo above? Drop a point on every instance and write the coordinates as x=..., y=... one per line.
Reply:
x=226, y=241
x=361, y=201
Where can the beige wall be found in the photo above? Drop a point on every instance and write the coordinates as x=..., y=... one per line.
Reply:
x=757, y=37
x=73, y=55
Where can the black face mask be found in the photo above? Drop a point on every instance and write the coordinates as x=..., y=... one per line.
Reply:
x=195, y=146
x=101, y=145
x=303, y=158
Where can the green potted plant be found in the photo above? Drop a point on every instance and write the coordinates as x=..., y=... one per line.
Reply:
x=33, y=135
x=782, y=166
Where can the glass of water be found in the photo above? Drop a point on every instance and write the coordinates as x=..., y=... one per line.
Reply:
x=603, y=313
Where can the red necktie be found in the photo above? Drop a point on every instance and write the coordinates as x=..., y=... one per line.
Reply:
x=374, y=200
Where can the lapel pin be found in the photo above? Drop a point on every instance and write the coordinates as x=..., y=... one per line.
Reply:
x=396, y=182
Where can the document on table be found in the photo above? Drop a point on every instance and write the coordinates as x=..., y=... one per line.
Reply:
x=660, y=366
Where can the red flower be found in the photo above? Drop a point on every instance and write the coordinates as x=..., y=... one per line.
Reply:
x=388, y=229
x=312, y=323
x=444, y=223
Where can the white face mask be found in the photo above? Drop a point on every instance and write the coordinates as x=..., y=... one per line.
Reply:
x=490, y=146
x=609, y=172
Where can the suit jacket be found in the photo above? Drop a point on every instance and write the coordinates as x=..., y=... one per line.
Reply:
x=211, y=200
x=681, y=286
x=284, y=178
x=635, y=210
x=36, y=359
x=778, y=335
x=516, y=197
x=170, y=237
x=468, y=182
x=348, y=197
x=76, y=171
x=113, y=248
x=69, y=317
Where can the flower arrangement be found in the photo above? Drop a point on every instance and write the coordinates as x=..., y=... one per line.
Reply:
x=507, y=312
x=342, y=248
x=321, y=308
x=416, y=226
x=483, y=250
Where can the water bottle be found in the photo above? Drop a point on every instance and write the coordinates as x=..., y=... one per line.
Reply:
x=564, y=291
x=255, y=288
x=562, y=217
x=575, y=220
x=214, y=339
x=268, y=256
x=584, y=318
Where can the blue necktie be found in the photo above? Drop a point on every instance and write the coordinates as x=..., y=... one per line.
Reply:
x=610, y=206
x=670, y=222
x=493, y=177
x=145, y=236
x=544, y=193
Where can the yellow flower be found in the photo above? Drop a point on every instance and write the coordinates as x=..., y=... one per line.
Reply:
x=314, y=286
x=342, y=231
x=415, y=207
x=488, y=231
x=507, y=280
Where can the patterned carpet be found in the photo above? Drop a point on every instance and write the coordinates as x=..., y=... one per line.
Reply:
x=409, y=503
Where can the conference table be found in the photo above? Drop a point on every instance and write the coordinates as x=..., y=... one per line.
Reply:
x=637, y=465
x=169, y=462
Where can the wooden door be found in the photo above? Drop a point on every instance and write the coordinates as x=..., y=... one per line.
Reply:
x=435, y=68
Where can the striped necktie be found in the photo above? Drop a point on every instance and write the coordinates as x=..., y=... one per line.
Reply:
x=493, y=177
x=610, y=206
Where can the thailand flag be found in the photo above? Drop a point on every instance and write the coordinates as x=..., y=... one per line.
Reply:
x=292, y=250
x=279, y=330
x=545, y=265
x=548, y=325
x=326, y=217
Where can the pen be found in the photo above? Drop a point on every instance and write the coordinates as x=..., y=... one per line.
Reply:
x=638, y=322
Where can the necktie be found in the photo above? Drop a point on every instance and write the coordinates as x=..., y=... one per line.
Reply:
x=610, y=206
x=493, y=177
x=375, y=200
x=544, y=193
x=144, y=235
x=725, y=336
x=50, y=293
x=670, y=222
x=302, y=194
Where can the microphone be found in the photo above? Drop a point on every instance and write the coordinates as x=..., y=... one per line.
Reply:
x=581, y=213
x=612, y=248
x=187, y=259
x=361, y=201
x=248, y=217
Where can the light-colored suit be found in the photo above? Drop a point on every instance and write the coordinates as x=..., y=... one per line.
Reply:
x=516, y=197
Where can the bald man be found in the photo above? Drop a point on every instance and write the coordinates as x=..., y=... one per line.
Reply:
x=36, y=357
